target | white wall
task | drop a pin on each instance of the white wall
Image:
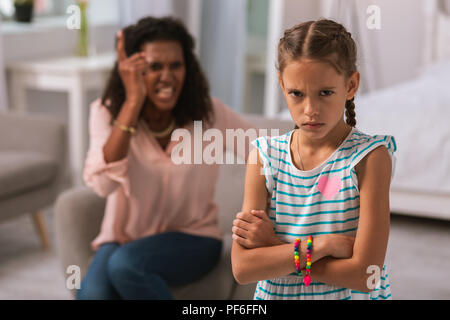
(50, 38)
(223, 49)
(291, 13)
(3, 89)
(300, 11)
(392, 55)
(401, 38)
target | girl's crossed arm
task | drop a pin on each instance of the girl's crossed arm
(276, 260)
(374, 175)
(369, 248)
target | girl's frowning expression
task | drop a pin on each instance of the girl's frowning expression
(316, 95)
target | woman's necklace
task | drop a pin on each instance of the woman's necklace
(163, 133)
(298, 147)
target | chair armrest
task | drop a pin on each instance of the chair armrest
(78, 216)
(38, 133)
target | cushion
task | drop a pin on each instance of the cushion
(230, 185)
(229, 194)
(21, 171)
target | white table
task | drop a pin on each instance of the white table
(74, 75)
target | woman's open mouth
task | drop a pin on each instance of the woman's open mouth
(165, 93)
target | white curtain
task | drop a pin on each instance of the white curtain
(445, 6)
(133, 10)
(352, 14)
(221, 34)
(3, 91)
(188, 11)
(223, 47)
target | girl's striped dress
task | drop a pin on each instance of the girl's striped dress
(324, 200)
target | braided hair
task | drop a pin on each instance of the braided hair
(194, 102)
(350, 112)
(324, 40)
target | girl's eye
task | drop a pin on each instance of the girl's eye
(326, 93)
(295, 93)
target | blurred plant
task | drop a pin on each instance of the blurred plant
(83, 36)
(24, 10)
(23, 2)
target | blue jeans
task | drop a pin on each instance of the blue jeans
(145, 268)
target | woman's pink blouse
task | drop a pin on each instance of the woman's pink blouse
(146, 192)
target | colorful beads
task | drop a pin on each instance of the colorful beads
(307, 279)
(297, 256)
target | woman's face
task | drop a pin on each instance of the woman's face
(316, 93)
(164, 79)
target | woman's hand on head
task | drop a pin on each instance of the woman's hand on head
(132, 71)
(254, 230)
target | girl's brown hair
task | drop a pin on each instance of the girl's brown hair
(324, 40)
(194, 102)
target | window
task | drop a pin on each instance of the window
(42, 8)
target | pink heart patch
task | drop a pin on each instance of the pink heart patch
(329, 187)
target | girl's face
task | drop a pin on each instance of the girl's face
(164, 79)
(316, 95)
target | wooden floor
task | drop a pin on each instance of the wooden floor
(26, 270)
(419, 255)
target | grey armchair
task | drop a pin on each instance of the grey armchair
(79, 212)
(32, 150)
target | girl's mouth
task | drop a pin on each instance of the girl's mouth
(312, 126)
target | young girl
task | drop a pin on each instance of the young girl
(325, 180)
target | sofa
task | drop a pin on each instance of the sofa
(79, 212)
(32, 152)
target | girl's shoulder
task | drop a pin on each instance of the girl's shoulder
(273, 151)
(273, 142)
(360, 143)
(273, 148)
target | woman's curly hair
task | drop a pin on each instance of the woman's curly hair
(324, 40)
(194, 102)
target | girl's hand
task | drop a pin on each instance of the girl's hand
(132, 71)
(254, 230)
(339, 246)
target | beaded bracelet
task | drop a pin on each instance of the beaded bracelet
(307, 279)
(297, 256)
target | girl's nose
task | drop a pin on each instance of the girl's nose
(310, 108)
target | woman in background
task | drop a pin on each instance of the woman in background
(160, 226)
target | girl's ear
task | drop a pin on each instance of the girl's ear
(352, 85)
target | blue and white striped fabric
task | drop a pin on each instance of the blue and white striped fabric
(299, 207)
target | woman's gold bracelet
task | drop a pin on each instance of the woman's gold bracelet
(125, 128)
